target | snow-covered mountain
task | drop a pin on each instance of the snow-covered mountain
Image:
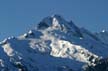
(54, 45)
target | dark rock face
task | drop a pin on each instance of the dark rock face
(101, 65)
(42, 25)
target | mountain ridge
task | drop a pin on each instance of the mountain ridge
(55, 45)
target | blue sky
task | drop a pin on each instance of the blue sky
(18, 16)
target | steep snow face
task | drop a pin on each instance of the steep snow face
(55, 45)
(71, 51)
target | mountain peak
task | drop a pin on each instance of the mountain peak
(52, 21)
(56, 16)
(56, 45)
(59, 23)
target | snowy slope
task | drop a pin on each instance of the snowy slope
(54, 45)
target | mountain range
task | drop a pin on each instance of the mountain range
(55, 45)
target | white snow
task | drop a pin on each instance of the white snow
(8, 50)
(103, 31)
(62, 45)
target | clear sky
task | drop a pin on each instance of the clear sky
(18, 16)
